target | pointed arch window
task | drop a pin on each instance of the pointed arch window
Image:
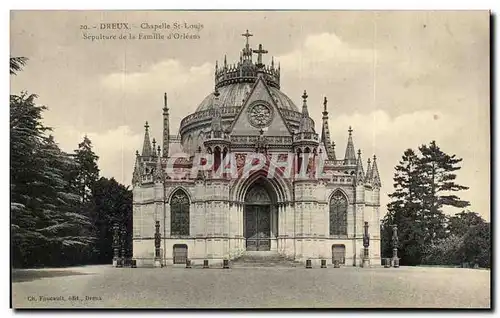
(179, 213)
(338, 214)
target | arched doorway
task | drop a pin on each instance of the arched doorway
(258, 218)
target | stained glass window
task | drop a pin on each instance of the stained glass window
(179, 212)
(338, 214)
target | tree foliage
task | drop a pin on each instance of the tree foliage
(113, 206)
(43, 206)
(16, 64)
(424, 183)
(61, 212)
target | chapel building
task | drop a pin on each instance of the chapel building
(212, 216)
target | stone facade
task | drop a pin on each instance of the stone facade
(210, 216)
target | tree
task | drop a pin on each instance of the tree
(16, 64)
(43, 221)
(87, 173)
(461, 222)
(476, 248)
(113, 205)
(423, 183)
(475, 234)
(437, 173)
(43, 218)
(404, 211)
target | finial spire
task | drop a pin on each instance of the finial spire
(166, 127)
(217, 118)
(154, 147)
(375, 177)
(304, 96)
(325, 134)
(305, 122)
(350, 153)
(146, 147)
(360, 173)
(158, 172)
(369, 172)
(136, 175)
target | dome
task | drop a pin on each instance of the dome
(234, 81)
(233, 95)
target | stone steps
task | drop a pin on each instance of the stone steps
(264, 259)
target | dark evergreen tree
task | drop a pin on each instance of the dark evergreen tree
(43, 221)
(404, 211)
(437, 173)
(113, 205)
(423, 184)
(87, 173)
(83, 179)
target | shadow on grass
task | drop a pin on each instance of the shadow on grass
(31, 275)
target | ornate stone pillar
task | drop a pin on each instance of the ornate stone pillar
(366, 244)
(157, 260)
(123, 246)
(395, 241)
(116, 245)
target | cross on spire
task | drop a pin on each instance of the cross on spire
(247, 51)
(247, 35)
(259, 52)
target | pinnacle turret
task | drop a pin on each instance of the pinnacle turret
(146, 147)
(158, 173)
(216, 115)
(153, 149)
(359, 168)
(368, 174)
(375, 177)
(350, 153)
(166, 127)
(325, 133)
(136, 176)
(305, 121)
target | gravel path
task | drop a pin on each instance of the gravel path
(104, 286)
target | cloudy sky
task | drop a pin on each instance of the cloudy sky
(400, 79)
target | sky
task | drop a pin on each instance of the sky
(400, 79)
